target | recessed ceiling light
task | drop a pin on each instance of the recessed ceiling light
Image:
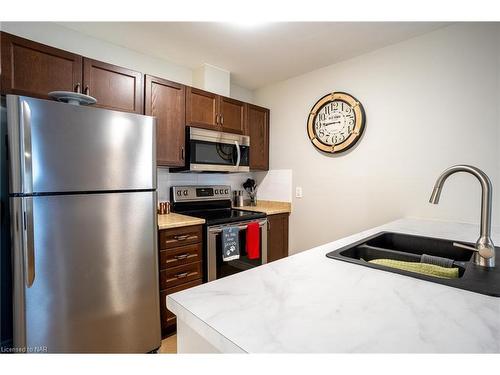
(247, 23)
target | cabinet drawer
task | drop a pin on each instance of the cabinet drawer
(179, 275)
(178, 256)
(167, 316)
(180, 236)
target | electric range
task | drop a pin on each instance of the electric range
(213, 203)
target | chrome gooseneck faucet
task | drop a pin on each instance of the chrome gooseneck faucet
(484, 251)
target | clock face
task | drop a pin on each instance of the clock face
(336, 122)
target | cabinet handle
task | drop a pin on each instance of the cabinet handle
(78, 88)
(181, 238)
(181, 256)
(217, 119)
(222, 119)
(87, 90)
(181, 275)
(182, 153)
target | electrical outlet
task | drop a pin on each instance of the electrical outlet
(298, 192)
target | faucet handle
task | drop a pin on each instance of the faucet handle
(485, 252)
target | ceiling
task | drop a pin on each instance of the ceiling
(259, 54)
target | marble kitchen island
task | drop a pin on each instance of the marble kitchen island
(309, 303)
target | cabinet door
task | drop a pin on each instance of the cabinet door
(114, 87)
(34, 69)
(277, 246)
(232, 114)
(201, 109)
(166, 101)
(257, 127)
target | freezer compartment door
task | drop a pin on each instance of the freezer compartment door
(95, 274)
(58, 147)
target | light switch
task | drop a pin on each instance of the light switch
(298, 192)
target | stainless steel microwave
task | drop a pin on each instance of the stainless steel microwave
(214, 151)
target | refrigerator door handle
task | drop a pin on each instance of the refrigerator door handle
(29, 246)
(26, 147)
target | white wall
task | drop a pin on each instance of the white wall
(431, 102)
(241, 93)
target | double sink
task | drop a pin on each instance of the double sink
(410, 248)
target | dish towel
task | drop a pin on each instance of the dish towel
(230, 243)
(423, 268)
(253, 241)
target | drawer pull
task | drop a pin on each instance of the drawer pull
(182, 275)
(181, 256)
(181, 238)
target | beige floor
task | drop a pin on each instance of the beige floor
(169, 345)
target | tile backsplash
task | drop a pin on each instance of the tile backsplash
(167, 179)
(272, 185)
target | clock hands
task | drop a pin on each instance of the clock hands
(331, 123)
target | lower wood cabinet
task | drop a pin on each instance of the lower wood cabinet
(277, 238)
(174, 276)
(181, 236)
(168, 320)
(180, 266)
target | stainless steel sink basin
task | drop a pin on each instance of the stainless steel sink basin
(397, 246)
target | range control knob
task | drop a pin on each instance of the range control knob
(179, 193)
(216, 191)
(226, 191)
(185, 192)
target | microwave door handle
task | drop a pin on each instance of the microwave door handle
(238, 154)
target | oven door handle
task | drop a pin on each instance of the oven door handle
(238, 154)
(240, 227)
(212, 246)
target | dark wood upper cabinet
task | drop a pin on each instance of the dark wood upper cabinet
(232, 115)
(277, 246)
(257, 127)
(166, 101)
(34, 69)
(211, 111)
(202, 109)
(114, 87)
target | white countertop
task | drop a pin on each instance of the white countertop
(310, 303)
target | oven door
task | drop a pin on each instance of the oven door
(213, 151)
(216, 267)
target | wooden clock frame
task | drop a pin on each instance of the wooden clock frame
(359, 125)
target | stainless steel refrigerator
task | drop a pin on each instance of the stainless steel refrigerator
(83, 224)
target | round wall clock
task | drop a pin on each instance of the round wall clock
(336, 122)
